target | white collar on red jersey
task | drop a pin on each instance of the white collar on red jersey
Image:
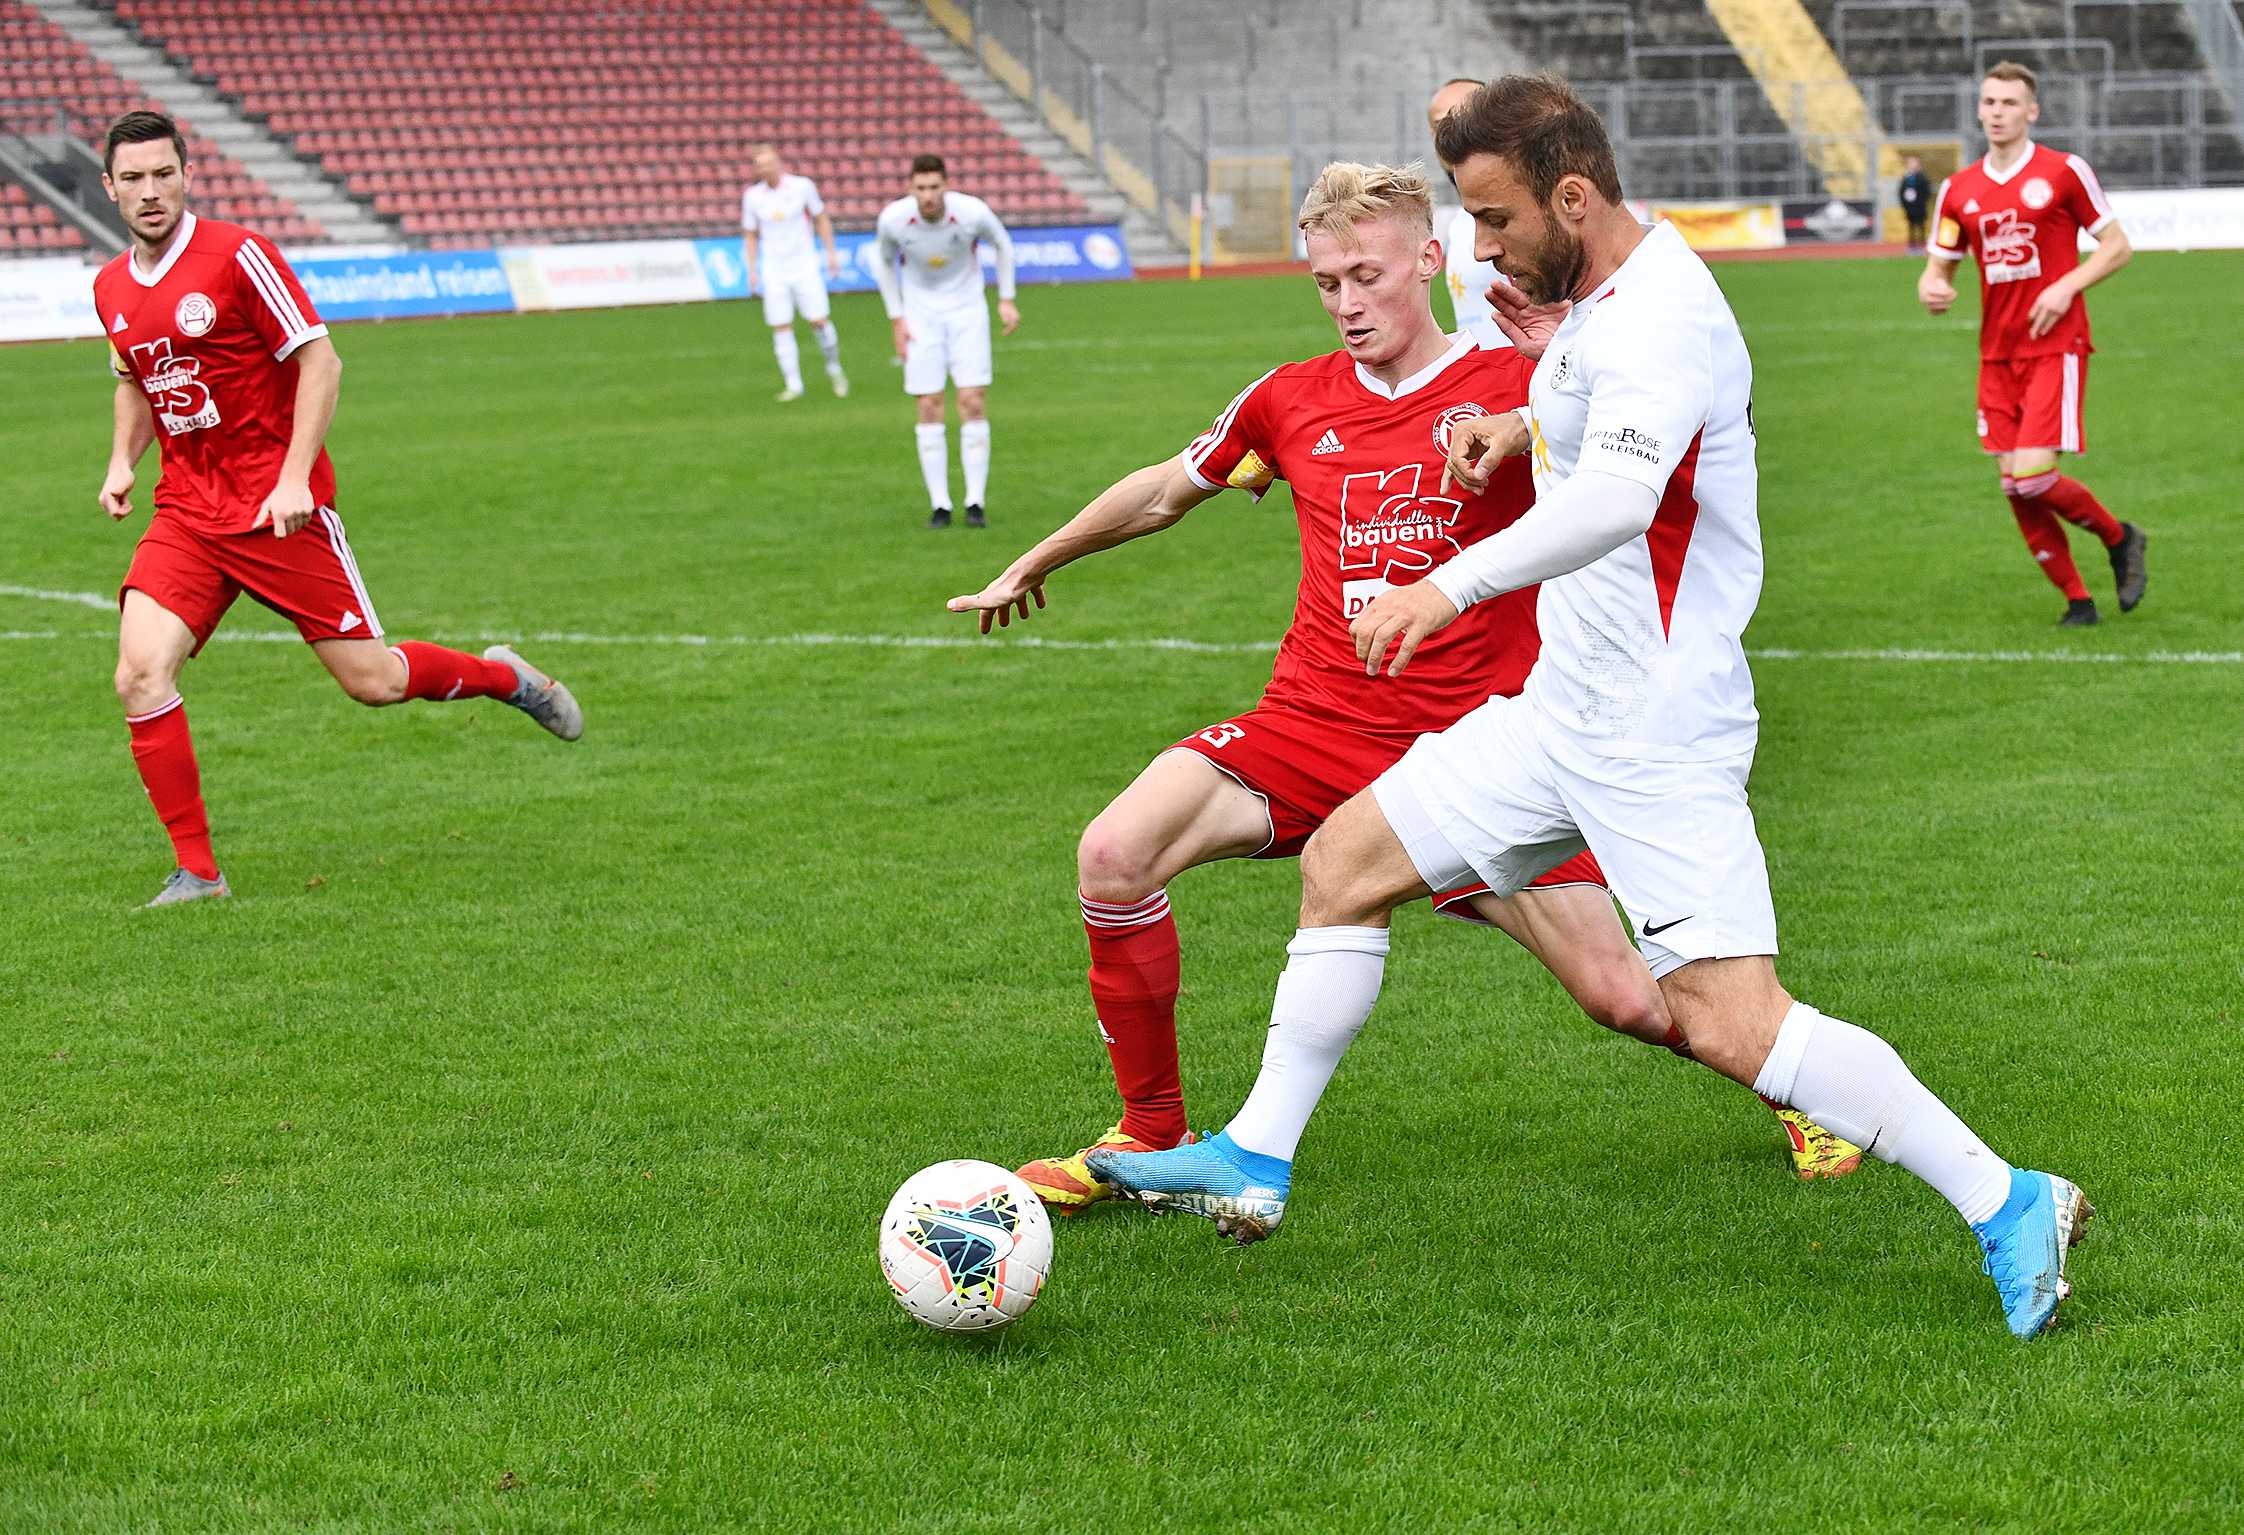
(1459, 346)
(2000, 178)
(179, 243)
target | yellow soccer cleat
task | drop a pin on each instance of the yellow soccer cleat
(1816, 1152)
(1069, 1186)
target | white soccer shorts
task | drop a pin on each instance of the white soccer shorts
(950, 343)
(1489, 798)
(798, 286)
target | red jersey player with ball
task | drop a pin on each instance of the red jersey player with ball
(1362, 436)
(2020, 213)
(219, 352)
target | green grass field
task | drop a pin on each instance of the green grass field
(506, 1155)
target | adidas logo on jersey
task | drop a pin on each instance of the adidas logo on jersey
(117, 325)
(1326, 444)
(350, 621)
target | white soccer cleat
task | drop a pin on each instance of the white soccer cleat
(793, 393)
(181, 885)
(540, 696)
(841, 386)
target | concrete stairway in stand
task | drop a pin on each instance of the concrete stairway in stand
(347, 221)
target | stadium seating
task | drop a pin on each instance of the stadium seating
(49, 82)
(478, 121)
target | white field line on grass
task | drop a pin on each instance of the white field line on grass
(1035, 642)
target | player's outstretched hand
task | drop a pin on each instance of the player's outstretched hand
(1525, 323)
(902, 329)
(1008, 315)
(1401, 616)
(116, 492)
(1477, 446)
(999, 599)
(1935, 292)
(288, 508)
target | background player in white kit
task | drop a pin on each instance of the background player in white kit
(942, 323)
(778, 215)
(1637, 727)
(1465, 276)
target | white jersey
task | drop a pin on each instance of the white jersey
(1468, 282)
(780, 219)
(1649, 379)
(940, 270)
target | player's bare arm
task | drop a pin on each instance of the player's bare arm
(1936, 285)
(135, 430)
(748, 255)
(1008, 315)
(824, 224)
(1477, 446)
(319, 383)
(1153, 498)
(2113, 251)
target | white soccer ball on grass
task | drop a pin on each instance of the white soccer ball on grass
(965, 1246)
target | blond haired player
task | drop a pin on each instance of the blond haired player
(779, 215)
(1358, 434)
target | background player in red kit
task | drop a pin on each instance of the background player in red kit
(220, 353)
(1362, 436)
(2020, 213)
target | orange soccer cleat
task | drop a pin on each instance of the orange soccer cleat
(1068, 1185)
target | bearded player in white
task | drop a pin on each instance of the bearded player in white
(1466, 276)
(1637, 727)
(942, 323)
(778, 214)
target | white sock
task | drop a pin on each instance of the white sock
(790, 357)
(1855, 1085)
(935, 463)
(1323, 999)
(974, 458)
(830, 347)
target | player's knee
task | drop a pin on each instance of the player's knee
(1114, 865)
(138, 683)
(1625, 1000)
(1333, 885)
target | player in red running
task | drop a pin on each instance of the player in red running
(2020, 213)
(1362, 436)
(219, 352)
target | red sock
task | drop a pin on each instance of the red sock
(1674, 1040)
(431, 671)
(165, 756)
(2078, 505)
(1134, 975)
(2045, 535)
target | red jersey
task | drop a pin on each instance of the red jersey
(1365, 463)
(208, 334)
(2023, 227)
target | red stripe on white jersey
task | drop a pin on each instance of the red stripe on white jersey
(1669, 537)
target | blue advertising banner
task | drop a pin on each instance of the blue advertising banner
(405, 286)
(1078, 253)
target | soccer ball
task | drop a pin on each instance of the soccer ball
(965, 1246)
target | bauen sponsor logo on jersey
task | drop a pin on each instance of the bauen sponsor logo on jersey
(196, 314)
(2006, 247)
(1626, 440)
(181, 401)
(1390, 531)
(1449, 419)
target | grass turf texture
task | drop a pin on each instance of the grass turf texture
(507, 1153)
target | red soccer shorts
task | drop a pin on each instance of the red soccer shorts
(2032, 403)
(1304, 769)
(309, 577)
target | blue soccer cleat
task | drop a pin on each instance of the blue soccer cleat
(1243, 1192)
(2026, 1242)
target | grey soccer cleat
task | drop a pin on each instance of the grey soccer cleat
(540, 697)
(186, 886)
(2127, 566)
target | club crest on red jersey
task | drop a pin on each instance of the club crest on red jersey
(1448, 420)
(2036, 193)
(196, 314)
